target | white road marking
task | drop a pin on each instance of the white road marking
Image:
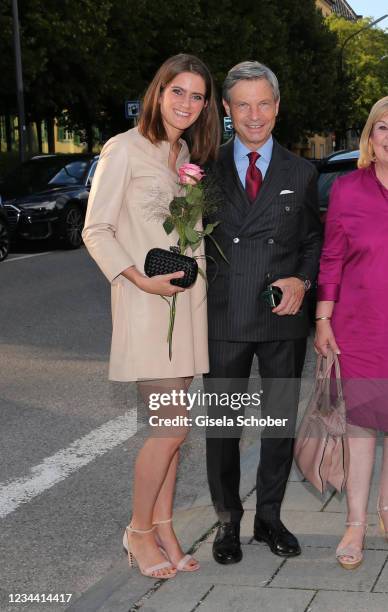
(9, 259)
(65, 462)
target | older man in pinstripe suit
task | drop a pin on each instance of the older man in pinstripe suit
(270, 233)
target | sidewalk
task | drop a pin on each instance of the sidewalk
(313, 582)
(262, 582)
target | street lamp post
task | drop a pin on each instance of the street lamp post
(341, 64)
(19, 81)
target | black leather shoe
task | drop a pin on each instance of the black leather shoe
(281, 541)
(226, 546)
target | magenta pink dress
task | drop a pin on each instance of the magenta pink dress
(354, 273)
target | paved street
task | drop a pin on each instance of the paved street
(68, 439)
(67, 436)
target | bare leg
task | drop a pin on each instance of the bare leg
(156, 463)
(383, 494)
(152, 465)
(164, 503)
(163, 510)
(362, 445)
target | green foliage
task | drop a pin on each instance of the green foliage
(364, 69)
(293, 40)
(168, 225)
(210, 227)
(88, 57)
(191, 235)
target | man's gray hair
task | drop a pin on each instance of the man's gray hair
(249, 71)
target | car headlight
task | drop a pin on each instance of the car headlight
(43, 206)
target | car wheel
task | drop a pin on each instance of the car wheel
(4, 240)
(72, 223)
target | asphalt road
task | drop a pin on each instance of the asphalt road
(68, 437)
(67, 441)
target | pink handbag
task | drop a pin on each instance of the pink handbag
(321, 449)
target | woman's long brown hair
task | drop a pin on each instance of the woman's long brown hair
(203, 137)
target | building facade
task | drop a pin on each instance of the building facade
(339, 7)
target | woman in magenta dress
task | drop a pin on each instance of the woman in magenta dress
(352, 319)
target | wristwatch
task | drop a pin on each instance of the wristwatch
(306, 281)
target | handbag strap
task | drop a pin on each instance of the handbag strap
(324, 369)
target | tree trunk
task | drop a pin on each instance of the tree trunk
(50, 134)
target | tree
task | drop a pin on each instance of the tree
(83, 59)
(292, 38)
(294, 41)
(364, 70)
(64, 53)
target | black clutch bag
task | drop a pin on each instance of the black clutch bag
(160, 261)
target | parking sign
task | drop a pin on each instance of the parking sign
(132, 109)
(228, 125)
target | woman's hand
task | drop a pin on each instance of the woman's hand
(160, 284)
(324, 338)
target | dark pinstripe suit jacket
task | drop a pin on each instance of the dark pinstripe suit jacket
(275, 236)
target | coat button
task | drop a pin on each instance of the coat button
(287, 208)
(270, 241)
(236, 240)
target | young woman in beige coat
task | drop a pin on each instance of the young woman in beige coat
(135, 180)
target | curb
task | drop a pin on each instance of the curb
(121, 589)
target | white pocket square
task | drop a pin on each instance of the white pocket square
(285, 191)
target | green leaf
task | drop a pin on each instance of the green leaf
(210, 227)
(176, 205)
(195, 245)
(168, 225)
(191, 235)
(195, 214)
(195, 196)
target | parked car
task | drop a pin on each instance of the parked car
(329, 169)
(4, 232)
(47, 197)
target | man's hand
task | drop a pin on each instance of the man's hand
(293, 294)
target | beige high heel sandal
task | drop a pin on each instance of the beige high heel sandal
(182, 563)
(351, 551)
(148, 571)
(381, 509)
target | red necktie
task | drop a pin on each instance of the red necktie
(253, 177)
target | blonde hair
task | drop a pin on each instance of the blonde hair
(367, 154)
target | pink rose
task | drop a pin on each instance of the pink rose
(190, 174)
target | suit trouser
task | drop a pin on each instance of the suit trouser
(280, 368)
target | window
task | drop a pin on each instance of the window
(64, 135)
(91, 173)
(326, 180)
(71, 174)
